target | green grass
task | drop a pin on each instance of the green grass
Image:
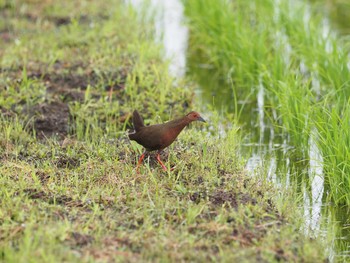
(68, 187)
(250, 49)
(88, 202)
(332, 138)
(289, 50)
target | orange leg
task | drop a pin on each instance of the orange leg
(140, 161)
(110, 93)
(161, 163)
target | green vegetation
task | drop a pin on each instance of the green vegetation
(71, 74)
(333, 140)
(287, 49)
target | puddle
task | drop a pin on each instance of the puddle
(264, 147)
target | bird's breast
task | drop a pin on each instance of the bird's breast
(169, 137)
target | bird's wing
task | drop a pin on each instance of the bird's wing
(137, 121)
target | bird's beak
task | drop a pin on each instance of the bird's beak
(201, 119)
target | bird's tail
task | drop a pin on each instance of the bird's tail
(137, 121)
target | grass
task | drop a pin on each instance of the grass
(89, 203)
(69, 191)
(332, 137)
(301, 65)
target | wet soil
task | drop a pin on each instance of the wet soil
(221, 197)
(67, 201)
(50, 119)
(64, 200)
(111, 247)
(64, 85)
(65, 82)
(76, 239)
(65, 77)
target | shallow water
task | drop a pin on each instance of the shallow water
(264, 147)
(171, 31)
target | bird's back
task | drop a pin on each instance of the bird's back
(150, 137)
(158, 136)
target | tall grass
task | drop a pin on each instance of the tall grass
(333, 139)
(247, 45)
(221, 39)
(288, 48)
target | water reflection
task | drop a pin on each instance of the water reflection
(266, 147)
(315, 173)
(170, 30)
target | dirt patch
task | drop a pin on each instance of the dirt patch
(64, 86)
(6, 36)
(70, 81)
(6, 113)
(280, 255)
(221, 197)
(43, 177)
(63, 20)
(246, 237)
(13, 233)
(196, 197)
(56, 20)
(8, 12)
(213, 248)
(66, 200)
(51, 199)
(67, 162)
(51, 119)
(76, 239)
(112, 248)
(67, 81)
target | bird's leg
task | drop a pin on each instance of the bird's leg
(110, 93)
(160, 161)
(140, 161)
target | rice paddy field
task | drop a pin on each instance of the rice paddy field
(287, 64)
(265, 180)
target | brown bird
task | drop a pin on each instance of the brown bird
(159, 136)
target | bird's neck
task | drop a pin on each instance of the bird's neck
(179, 124)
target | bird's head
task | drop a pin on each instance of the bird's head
(194, 116)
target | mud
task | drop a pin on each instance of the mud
(43, 177)
(65, 200)
(233, 200)
(76, 239)
(70, 85)
(111, 248)
(50, 119)
(6, 113)
(64, 81)
(51, 199)
(34, 16)
(63, 86)
(6, 36)
(67, 162)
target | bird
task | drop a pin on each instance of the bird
(159, 136)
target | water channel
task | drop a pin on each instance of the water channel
(264, 147)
